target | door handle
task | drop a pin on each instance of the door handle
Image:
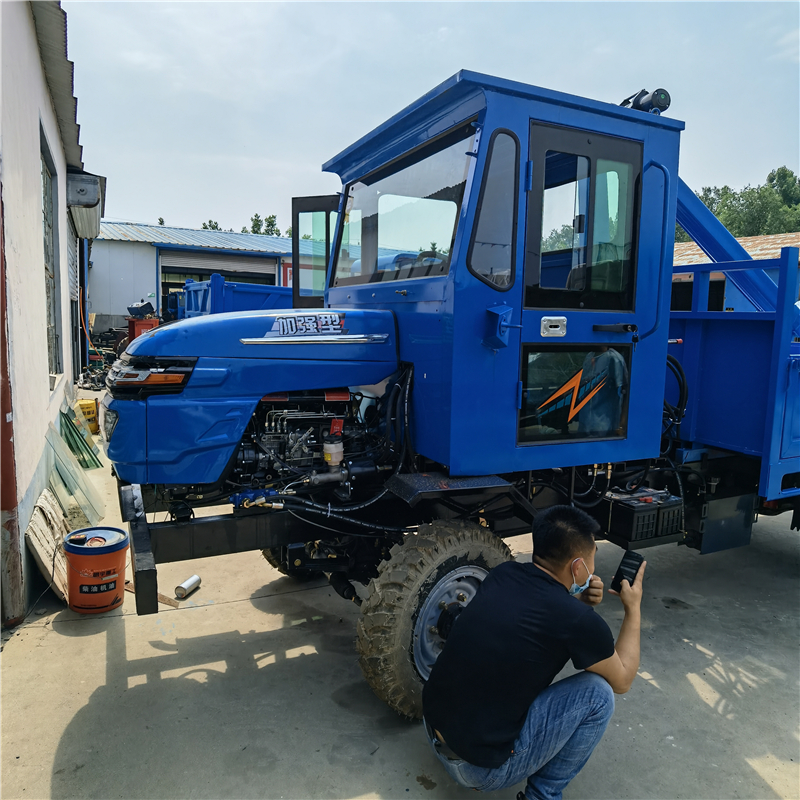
(617, 327)
(666, 220)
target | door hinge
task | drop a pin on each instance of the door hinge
(529, 176)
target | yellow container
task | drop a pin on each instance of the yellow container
(88, 408)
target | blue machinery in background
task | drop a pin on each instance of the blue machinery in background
(216, 296)
(513, 358)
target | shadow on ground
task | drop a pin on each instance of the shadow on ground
(270, 713)
(278, 708)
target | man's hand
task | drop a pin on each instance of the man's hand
(631, 594)
(593, 594)
(620, 669)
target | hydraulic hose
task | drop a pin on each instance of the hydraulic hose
(83, 321)
(314, 508)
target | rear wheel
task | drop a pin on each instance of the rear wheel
(411, 603)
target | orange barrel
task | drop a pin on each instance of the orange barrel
(96, 569)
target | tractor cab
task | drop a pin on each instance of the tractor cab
(522, 239)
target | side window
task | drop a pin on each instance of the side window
(582, 221)
(491, 255)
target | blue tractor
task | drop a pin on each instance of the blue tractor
(489, 335)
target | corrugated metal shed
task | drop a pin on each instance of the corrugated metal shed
(190, 237)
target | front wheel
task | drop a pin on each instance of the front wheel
(399, 636)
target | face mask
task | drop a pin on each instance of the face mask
(575, 589)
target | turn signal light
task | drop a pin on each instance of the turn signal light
(142, 379)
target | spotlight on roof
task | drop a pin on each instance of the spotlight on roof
(656, 102)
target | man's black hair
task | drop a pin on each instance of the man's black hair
(561, 533)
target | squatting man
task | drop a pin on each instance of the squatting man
(492, 713)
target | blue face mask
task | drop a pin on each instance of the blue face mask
(575, 589)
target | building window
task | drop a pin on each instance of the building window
(51, 291)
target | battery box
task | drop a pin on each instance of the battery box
(641, 519)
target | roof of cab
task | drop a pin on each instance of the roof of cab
(459, 88)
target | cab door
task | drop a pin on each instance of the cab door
(580, 316)
(313, 227)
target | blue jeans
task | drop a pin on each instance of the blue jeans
(564, 724)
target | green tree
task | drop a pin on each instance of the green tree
(256, 225)
(559, 239)
(268, 226)
(773, 207)
(786, 184)
(161, 221)
(271, 226)
(288, 233)
(211, 225)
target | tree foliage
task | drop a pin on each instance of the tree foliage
(773, 207)
(559, 239)
(211, 225)
(161, 221)
(266, 226)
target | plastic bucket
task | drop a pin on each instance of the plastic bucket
(96, 569)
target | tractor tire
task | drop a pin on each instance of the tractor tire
(398, 643)
(272, 555)
(123, 343)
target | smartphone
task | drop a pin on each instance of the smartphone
(628, 568)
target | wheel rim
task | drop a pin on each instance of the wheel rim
(428, 645)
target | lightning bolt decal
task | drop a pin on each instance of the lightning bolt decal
(573, 385)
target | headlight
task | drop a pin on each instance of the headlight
(108, 421)
(130, 377)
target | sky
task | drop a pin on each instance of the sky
(219, 110)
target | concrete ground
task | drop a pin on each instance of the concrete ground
(251, 689)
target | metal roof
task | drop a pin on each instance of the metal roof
(50, 21)
(191, 237)
(687, 253)
(457, 88)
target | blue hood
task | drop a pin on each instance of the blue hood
(295, 334)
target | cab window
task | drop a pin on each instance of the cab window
(491, 254)
(582, 222)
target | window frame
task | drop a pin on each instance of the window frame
(49, 196)
(515, 213)
(594, 146)
(408, 159)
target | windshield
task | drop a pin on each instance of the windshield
(400, 222)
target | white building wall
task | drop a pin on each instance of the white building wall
(25, 106)
(121, 273)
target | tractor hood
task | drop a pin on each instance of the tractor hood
(296, 334)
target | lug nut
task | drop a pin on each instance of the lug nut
(442, 605)
(434, 630)
(461, 597)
